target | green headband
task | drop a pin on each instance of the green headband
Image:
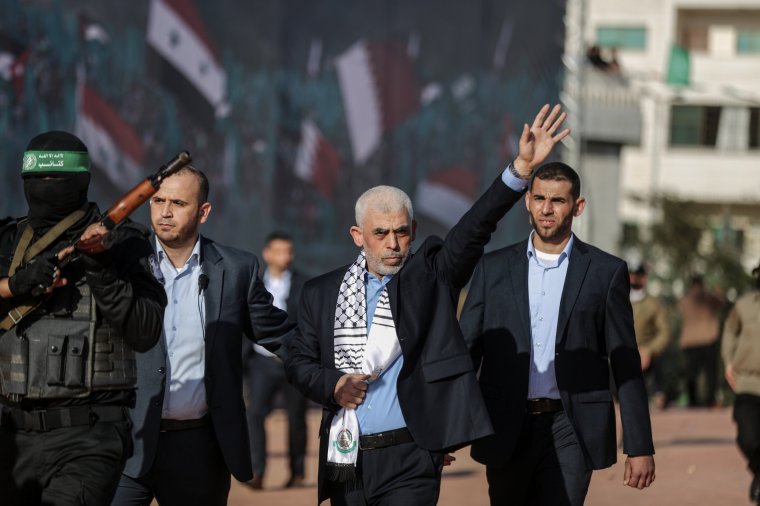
(55, 161)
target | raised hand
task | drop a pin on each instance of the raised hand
(538, 140)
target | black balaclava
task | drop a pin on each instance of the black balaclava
(56, 177)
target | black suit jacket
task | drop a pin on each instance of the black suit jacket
(594, 332)
(237, 304)
(437, 387)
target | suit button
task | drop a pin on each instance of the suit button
(162, 370)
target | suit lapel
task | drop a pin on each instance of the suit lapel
(576, 273)
(212, 296)
(518, 272)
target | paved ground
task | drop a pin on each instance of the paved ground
(697, 464)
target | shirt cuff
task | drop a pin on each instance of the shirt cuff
(517, 184)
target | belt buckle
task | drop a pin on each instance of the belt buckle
(15, 319)
(531, 407)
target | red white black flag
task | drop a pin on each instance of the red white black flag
(317, 161)
(380, 90)
(192, 67)
(114, 146)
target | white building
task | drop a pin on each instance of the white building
(693, 133)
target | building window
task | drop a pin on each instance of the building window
(692, 125)
(623, 38)
(754, 127)
(748, 42)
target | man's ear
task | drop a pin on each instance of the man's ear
(356, 235)
(204, 211)
(580, 205)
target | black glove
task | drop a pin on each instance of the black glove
(37, 274)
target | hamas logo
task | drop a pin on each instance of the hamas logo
(345, 443)
(30, 161)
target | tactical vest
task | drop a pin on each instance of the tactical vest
(65, 349)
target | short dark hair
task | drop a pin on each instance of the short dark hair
(278, 235)
(558, 171)
(202, 181)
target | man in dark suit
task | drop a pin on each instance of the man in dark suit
(379, 347)
(264, 372)
(190, 428)
(544, 320)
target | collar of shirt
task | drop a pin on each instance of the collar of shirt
(531, 251)
(167, 267)
(279, 288)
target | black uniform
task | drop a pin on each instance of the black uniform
(67, 370)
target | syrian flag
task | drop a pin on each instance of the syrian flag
(445, 195)
(185, 58)
(317, 161)
(114, 146)
(380, 90)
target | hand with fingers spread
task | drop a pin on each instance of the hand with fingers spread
(350, 390)
(639, 471)
(538, 140)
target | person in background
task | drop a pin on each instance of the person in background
(264, 372)
(650, 322)
(700, 330)
(741, 359)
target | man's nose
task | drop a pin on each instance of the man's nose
(392, 241)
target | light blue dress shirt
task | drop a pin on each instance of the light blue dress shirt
(380, 410)
(515, 183)
(546, 281)
(184, 318)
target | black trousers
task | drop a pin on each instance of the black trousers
(547, 467)
(747, 417)
(700, 359)
(67, 466)
(266, 377)
(189, 469)
(400, 475)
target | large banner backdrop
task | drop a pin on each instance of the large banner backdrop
(292, 107)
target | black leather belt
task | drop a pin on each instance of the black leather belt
(543, 405)
(44, 420)
(168, 425)
(385, 439)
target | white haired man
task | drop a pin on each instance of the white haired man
(380, 349)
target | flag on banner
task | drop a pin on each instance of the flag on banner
(445, 195)
(189, 62)
(317, 161)
(380, 90)
(13, 58)
(114, 146)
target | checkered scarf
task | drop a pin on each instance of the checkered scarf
(357, 352)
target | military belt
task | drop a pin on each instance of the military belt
(44, 420)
